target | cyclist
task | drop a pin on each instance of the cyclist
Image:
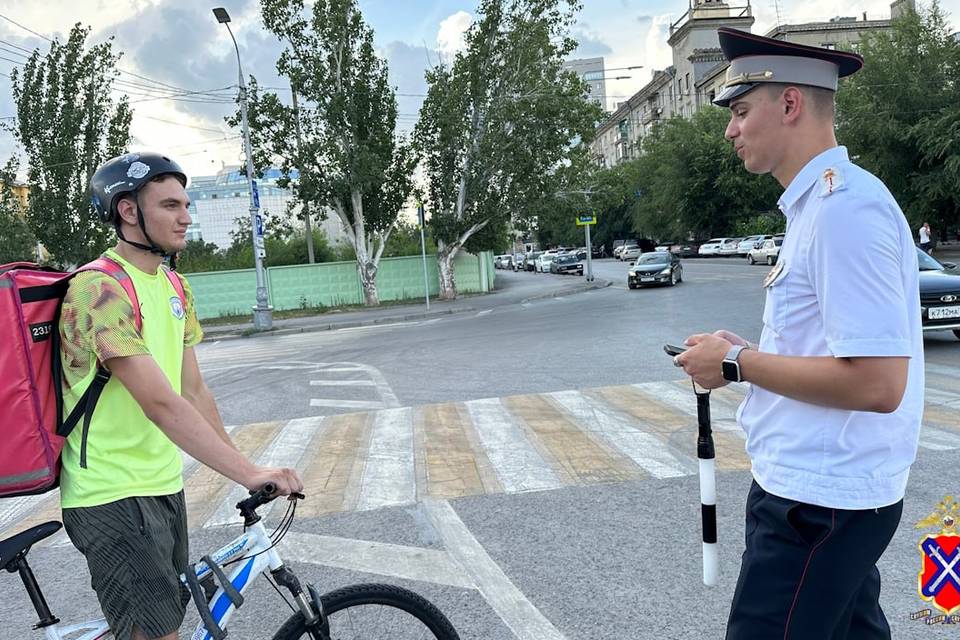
(121, 485)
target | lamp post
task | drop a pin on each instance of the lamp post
(262, 312)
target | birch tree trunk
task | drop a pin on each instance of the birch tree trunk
(445, 256)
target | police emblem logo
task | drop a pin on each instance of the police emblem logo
(938, 581)
(830, 181)
(772, 276)
(176, 306)
(137, 170)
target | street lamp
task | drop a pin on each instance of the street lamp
(262, 312)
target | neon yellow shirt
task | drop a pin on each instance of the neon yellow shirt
(127, 454)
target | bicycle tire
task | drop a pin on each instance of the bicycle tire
(360, 595)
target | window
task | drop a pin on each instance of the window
(213, 196)
(688, 82)
(593, 75)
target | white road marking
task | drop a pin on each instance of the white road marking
(342, 383)
(484, 312)
(286, 450)
(526, 304)
(649, 452)
(339, 369)
(524, 620)
(388, 477)
(361, 405)
(723, 414)
(376, 558)
(518, 465)
(944, 398)
(938, 439)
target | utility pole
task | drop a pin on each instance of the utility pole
(262, 312)
(306, 205)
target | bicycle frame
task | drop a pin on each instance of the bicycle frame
(253, 545)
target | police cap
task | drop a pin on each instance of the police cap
(755, 60)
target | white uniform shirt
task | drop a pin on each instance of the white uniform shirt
(848, 286)
(924, 235)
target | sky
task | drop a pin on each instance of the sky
(179, 43)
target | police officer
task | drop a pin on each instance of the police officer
(832, 416)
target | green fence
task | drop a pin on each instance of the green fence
(331, 284)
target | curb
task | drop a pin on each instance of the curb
(596, 284)
(332, 326)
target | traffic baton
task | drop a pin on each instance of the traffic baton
(706, 455)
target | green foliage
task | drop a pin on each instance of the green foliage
(348, 155)
(405, 241)
(282, 250)
(67, 124)
(498, 121)
(900, 115)
(760, 225)
(17, 241)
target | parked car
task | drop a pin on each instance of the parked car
(711, 247)
(542, 263)
(939, 294)
(768, 251)
(517, 262)
(530, 261)
(631, 252)
(729, 247)
(498, 261)
(567, 263)
(750, 242)
(658, 267)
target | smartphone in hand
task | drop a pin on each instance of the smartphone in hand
(674, 350)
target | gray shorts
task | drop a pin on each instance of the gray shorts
(136, 549)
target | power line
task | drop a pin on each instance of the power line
(39, 35)
(182, 124)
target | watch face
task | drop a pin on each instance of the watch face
(731, 371)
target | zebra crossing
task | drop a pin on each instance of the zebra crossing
(539, 442)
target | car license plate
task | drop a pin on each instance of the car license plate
(940, 313)
(647, 279)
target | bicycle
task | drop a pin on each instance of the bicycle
(399, 613)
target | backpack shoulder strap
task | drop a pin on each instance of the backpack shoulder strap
(177, 284)
(113, 269)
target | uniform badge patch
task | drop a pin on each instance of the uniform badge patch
(830, 181)
(176, 306)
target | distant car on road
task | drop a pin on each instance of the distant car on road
(750, 242)
(631, 252)
(542, 263)
(711, 247)
(504, 261)
(768, 251)
(567, 263)
(729, 247)
(517, 262)
(657, 267)
(530, 261)
(939, 294)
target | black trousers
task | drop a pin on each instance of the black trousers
(810, 572)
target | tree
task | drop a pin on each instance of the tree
(900, 115)
(350, 159)
(17, 242)
(689, 179)
(68, 124)
(498, 122)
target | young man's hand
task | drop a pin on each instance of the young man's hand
(287, 480)
(702, 361)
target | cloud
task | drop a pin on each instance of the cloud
(589, 45)
(407, 64)
(450, 37)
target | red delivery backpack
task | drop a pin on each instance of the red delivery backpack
(32, 427)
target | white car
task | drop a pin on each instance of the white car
(502, 262)
(750, 242)
(711, 247)
(729, 247)
(621, 251)
(542, 263)
(632, 252)
(768, 251)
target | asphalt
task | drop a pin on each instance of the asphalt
(507, 292)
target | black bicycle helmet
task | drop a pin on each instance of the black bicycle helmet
(125, 175)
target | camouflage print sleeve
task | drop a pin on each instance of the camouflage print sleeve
(97, 316)
(192, 332)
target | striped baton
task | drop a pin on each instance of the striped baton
(708, 487)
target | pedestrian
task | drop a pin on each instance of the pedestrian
(924, 233)
(121, 487)
(832, 413)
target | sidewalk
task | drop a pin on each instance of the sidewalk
(512, 288)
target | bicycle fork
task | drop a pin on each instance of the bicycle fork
(313, 614)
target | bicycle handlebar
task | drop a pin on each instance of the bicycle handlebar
(265, 494)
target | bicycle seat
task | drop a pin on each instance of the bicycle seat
(11, 548)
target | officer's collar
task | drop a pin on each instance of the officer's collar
(809, 175)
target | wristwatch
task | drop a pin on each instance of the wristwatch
(731, 364)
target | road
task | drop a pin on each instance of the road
(528, 466)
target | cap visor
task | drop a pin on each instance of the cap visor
(728, 94)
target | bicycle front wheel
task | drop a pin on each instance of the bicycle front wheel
(372, 612)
